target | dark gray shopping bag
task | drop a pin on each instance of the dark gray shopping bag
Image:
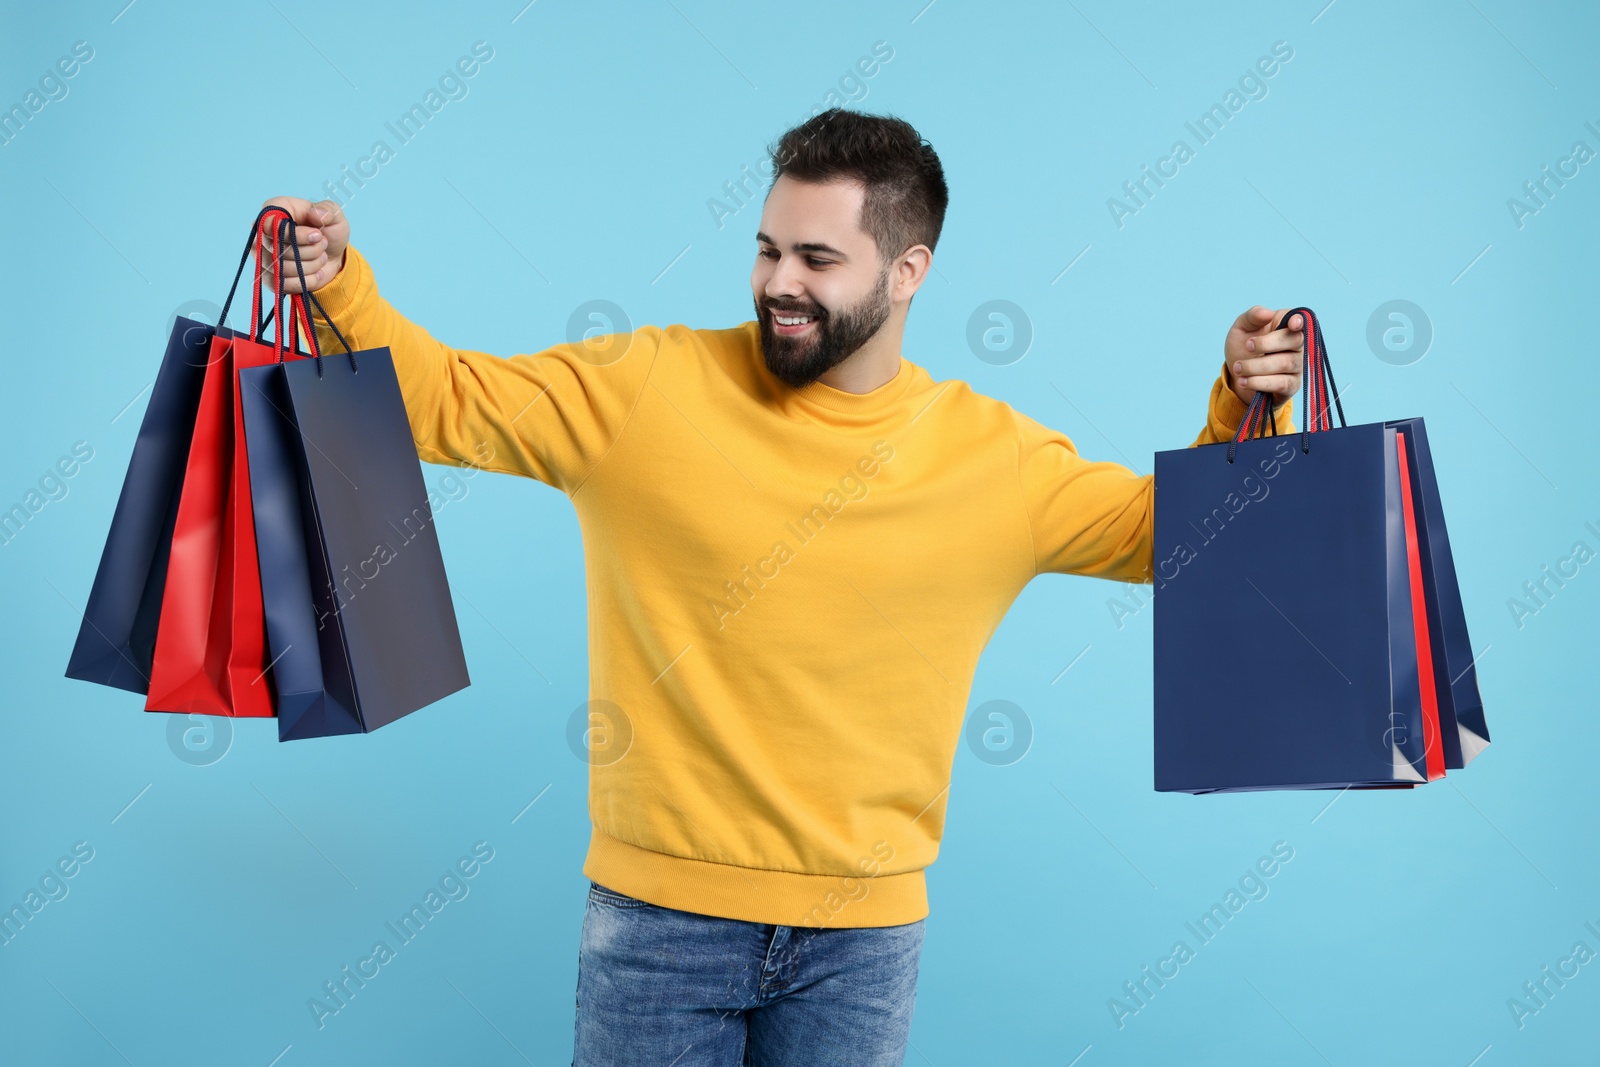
(360, 621)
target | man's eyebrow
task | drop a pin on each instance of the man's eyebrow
(804, 246)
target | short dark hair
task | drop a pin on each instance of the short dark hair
(905, 190)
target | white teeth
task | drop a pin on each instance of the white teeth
(792, 321)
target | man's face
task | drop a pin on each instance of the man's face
(814, 262)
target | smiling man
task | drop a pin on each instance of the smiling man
(797, 544)
(801, 338)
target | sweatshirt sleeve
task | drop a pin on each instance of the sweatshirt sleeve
(550, 415)
(1097, 518)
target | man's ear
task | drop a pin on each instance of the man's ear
(909, 272)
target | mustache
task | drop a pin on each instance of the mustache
(813, 312)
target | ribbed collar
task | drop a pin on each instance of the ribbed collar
(825, 404)
(827, 396)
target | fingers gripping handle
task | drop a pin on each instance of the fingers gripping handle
(1318, 386)
(306, 295)
(282, 231)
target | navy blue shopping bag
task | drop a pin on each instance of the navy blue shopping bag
(360, 621)
(117, 635)
(1290, 649)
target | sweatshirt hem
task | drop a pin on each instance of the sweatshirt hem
(752, 894)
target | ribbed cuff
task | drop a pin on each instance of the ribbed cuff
(1227, 410)
(340, 297)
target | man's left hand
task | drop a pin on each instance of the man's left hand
(1260, 358)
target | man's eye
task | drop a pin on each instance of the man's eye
(811, 261)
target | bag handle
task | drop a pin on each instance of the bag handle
(1318, 385)
(260, 335)
(1321, 378)
(298, 301)
(305, 296)
(284, 331)
(256, 242)
(295, 314)
(244, 257)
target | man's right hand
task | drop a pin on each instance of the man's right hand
(322, 232)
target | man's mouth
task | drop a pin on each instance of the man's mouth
(788, 325)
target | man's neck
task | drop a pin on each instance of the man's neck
(872, 365)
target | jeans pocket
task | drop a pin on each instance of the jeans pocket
(602, 895)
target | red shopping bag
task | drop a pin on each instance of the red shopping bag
(210, 651)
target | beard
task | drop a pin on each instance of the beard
(834, 336)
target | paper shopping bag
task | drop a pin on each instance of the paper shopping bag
(351, 564)
(210, 652)
(1465, 733)
(1293, 648)
(117, 635)
(311, 701)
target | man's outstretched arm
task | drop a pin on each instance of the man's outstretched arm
(1097, 518)
(550, 415)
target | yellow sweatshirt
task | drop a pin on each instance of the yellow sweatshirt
(788, 589)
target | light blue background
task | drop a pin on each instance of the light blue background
(579, 166)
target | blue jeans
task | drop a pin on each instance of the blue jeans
(659, 987)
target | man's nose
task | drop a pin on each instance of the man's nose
(784, 282)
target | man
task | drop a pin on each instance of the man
(797, 543)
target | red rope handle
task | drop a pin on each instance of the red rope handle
(262, 232)
(284, 341)
(1316, 386)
